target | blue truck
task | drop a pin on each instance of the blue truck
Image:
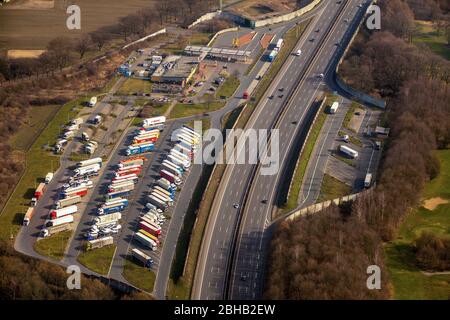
(117, 194)
(111, 209)
(140, 149)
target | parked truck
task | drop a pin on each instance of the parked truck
(49, 231)
(59, 221)
(62, 203)
(179, 161)
(58, 213)
(115, 201)
(170, 177)
(368, 180)
(142, 258)
(158, 203)
(38, 193)
(92, 101)
(171, 194)
(98, 161)
(114, 208)
(334, 107)
(165, 184)
(113, 217)
(171, 168)
(150, 228)
(145, 241)
(48, 177)
(139, 162)
(133, 177)
(78, 192)
(83, 170)
(118, 194)
(28, 215)
(140, 149)
(76, 122)
(348, 152)
(99, 243)
(153, 122)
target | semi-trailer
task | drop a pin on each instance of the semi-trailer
(150, 228)
(151, 236)
(165, 184)
(192, 140)
(164, 191)
(87, 169)
(49, 231)
(130, 163)
(48, 177)
(146, 241)
(115, 201)
(99, 243)
(141, 149)
(132, 159)
(190, 135)
(108, 210)
(178, 161)
(126, 172)
(148, 220)
(161, 205)
(155, 121)
(129, 185)
(117, 194)
(129, 177)
(73, 187)
(62, 203)
(142, 257)
(179, 147)
(28, 215)
(108, 218)
(180, 154)
(348, 151)
(58, 213)
(40, 190)
(58, 221)
(144, 140)
(170, 177)
(78, 192)
(89, 162)
(172, 169)
(162, 197)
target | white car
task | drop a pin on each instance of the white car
(298, 53)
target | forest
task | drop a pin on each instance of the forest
(305, 254)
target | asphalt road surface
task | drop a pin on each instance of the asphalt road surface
(247, 271)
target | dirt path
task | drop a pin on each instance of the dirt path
(433, 203)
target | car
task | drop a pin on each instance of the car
(281, 96)
(321, 75)
(377, 145)
(346, 138)
(225, 66)
(312, 40)
(271, 96)
(243, 277)
(294, 122)
(298, 53)
(258, 77)
(264, 201)
(317, 30)
(346, 20)
(357, 113)
(281, 89)
(236, 205)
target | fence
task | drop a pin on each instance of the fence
(320, 206)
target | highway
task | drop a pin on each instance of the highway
(217, 254)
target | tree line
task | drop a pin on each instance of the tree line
(304, 254)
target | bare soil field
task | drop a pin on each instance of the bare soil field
(30, 29)
(31, 4)
(15, 54)
(257, 9)
(432, 203)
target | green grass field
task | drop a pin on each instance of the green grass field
(53, 246)
(427, 34)
(228, 87)
(39, 161)
(332, 188)
(182, 110)
(131, 86)
(139, 276)
(98, 260)
(36, 120)
(407, 279)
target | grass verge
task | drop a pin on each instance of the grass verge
(427, 33)
(98, 260)
(138, 276)
(332, 188)
(39, 161)
(302, 163)
(228, 88)
(407, 279)
(181, 110)
(53, 246)
(131, 86)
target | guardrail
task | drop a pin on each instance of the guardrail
(154, 34)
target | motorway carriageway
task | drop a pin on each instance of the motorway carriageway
(212, 272)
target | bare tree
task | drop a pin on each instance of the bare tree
(100, 39)
(83, 44)
(60, 49)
